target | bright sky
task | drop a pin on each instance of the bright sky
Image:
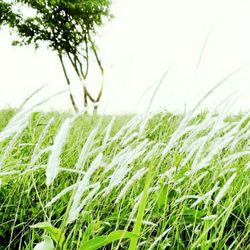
(145, 38)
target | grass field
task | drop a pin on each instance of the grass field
(127, 182)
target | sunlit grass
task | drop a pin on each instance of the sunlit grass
(181, 183)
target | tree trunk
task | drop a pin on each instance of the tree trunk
(68, 82)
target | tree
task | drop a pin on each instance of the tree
(68, 28)
(6, 14)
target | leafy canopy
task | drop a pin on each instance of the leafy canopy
(64, 24)
(67, 27)
(6, 14)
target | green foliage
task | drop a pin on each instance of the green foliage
(5, 116)
(56, 234)
(176, 207)
(102, 241)
(141, 210)
(6, 14)
(66, 27)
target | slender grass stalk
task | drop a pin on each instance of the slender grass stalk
(141, 210)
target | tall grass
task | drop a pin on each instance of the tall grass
(162, 181)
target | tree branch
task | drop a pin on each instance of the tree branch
(68, 82)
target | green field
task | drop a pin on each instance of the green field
(160, 181)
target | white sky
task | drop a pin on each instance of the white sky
(145, 38)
